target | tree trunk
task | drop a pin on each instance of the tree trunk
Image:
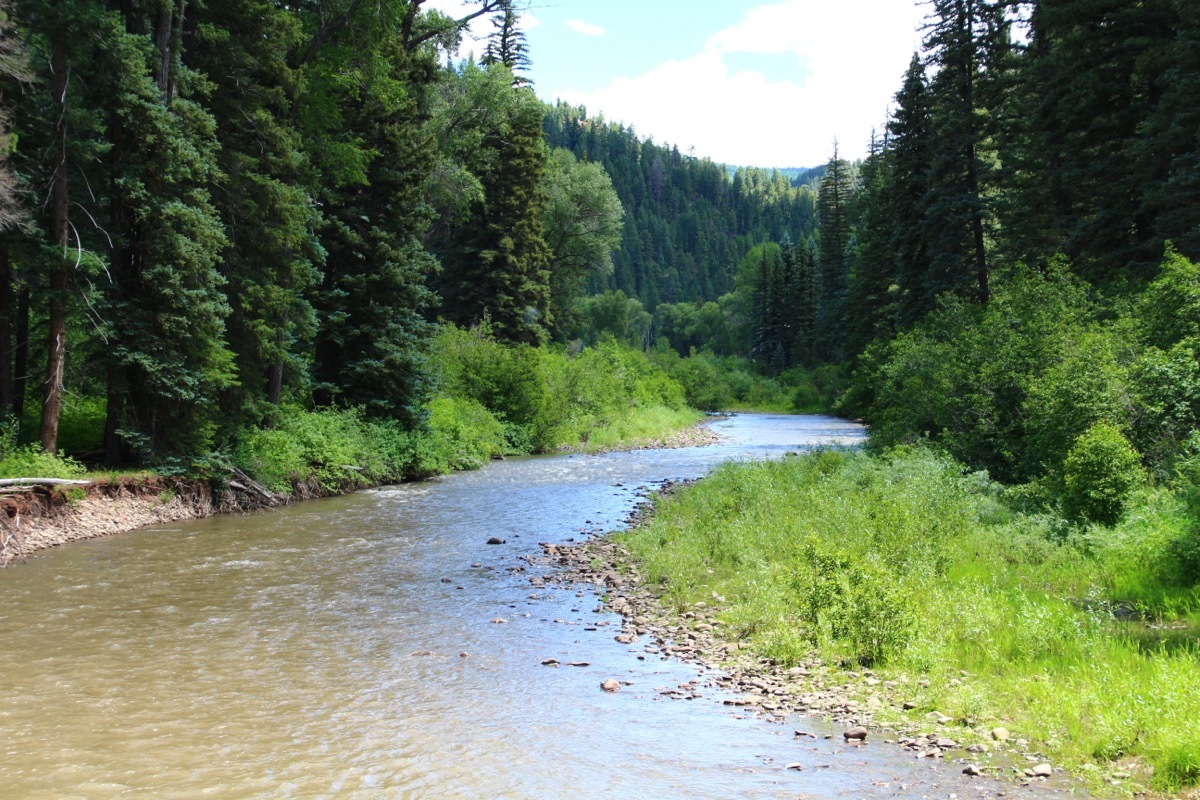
(21, 354)
(114, 450)
(56, 344)
(7, 309)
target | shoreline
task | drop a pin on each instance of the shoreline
(853, 699)
(41, 518)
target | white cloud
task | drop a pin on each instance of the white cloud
(586, 28)
(855, 53)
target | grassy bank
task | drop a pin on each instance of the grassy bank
(490, 400)
(1080, 640)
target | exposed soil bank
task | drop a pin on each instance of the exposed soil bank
(42, 517)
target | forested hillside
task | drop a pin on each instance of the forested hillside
(689, 221)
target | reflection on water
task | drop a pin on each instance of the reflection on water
(346, 648)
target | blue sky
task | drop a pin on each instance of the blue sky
(768, 84)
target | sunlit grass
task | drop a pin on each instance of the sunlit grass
(909, 565)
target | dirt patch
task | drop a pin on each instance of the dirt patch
(42, 517)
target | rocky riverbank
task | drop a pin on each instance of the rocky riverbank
(863, 704)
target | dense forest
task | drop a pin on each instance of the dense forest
(216, 210)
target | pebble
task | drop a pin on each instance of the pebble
(796, 765)
(610, 685)
(972, 770)
(1042, 771)
(550, 662)
(856, 734)
(499, 621)
(495, 540)
(1000, 734)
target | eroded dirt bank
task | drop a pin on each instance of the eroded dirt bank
(43, 517)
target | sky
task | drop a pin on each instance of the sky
(743, 82)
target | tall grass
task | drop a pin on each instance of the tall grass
(909, 564)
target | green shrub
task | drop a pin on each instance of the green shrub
(1100, 472)
(465, 433)
(30, 461)
(853, 604)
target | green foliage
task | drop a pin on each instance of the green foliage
(335, 450)
(854, 604)
(466, 433)
(545, 398)
(688, 219)
(583, 222)
(1100, 472)
(910, 563)
(30, 461)
(613, 314)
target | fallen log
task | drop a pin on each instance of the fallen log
(41, 482)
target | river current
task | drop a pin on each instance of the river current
(353, 648)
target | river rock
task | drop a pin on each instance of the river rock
(495, 540)
(977, 748)
(1042, 771)
(972, 770)
(610, 686)
(856, 734)
(550, 662)
(499, 621)
(1000, 734)
(796, 765)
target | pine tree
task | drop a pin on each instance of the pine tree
(264, 196)
(507, 45)
(497, 263)
(802, 304)
(164, 310)
(909, 148)
(871, 301)
(959, 40)
(833, 204)
(14, 213)
(365, 108)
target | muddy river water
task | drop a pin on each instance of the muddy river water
(349, 648)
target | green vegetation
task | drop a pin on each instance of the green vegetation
(912, 565)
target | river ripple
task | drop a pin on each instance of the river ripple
(317, 651)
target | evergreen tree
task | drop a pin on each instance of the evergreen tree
(506, 43)
(14, 213)
(164, 309)
(365, 106)
(264, 196)
(802, 304)
(497, 264)
(960, 39)
(907, 195)
(871, 303)
(834, 207)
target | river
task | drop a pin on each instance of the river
(351, 648)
